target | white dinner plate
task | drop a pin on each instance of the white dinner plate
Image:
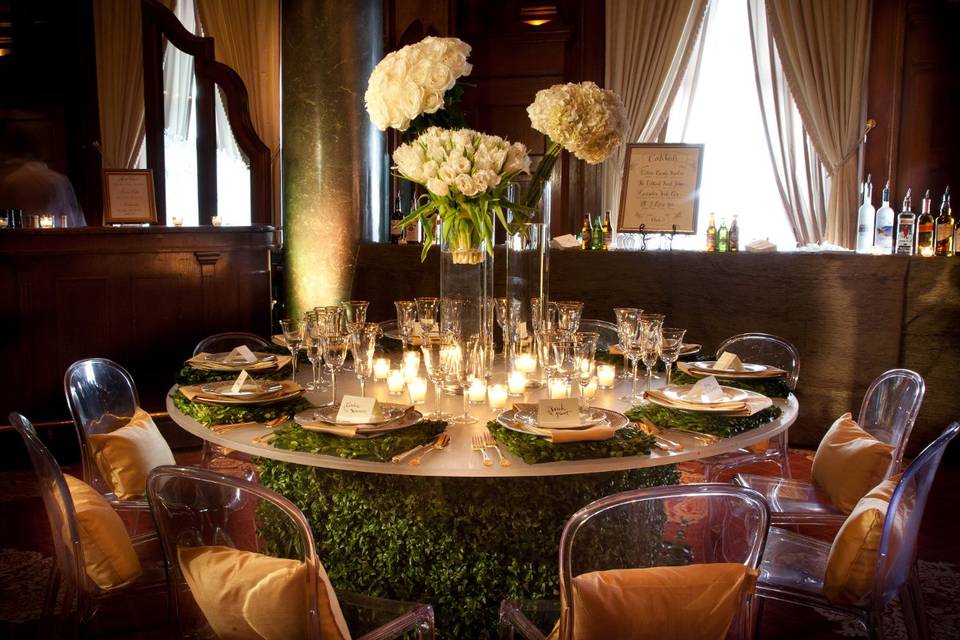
(329, 414)
(710, 367)
(224, 358)
(309, 420)
(510, 420)
(676, 392)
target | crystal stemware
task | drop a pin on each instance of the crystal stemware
(651, 327)
(427, 310)
(584, 354)
(293, 336)
(628, 322)
(406, 320)
(313, 343)
(334, 353)
(355, 313)
(435, 360)
(451, 315)
(464, 362)
(543, 319)
(363, 345)
(670, 345)
(568, 315)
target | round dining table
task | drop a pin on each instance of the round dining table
(451, 531)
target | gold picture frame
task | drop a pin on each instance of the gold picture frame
(128, 197)
(660, 192)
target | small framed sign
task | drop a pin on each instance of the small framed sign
(128, 196)
(661, 188)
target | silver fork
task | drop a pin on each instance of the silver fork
(440, 442)
(477, 445)
(490, 443)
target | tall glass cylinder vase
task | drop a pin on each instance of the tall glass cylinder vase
(466, 280)
(528, 280)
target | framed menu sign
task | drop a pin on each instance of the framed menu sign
(661, 188)
(128, 196)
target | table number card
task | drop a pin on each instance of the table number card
(563, 412)
(240, 381)
(357, 410)
(242, 354)
(705, 390)
(729, 362)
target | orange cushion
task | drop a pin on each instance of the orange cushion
(849, 462)
(127, 455)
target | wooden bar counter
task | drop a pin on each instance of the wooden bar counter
(851, 316)
(141, 296)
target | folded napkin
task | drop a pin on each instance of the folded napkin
(761, 246)
(200, 361)
(359, 430)
(693, 370)
(195, 391)
(567, 241)
(600, 432)
(742, 408)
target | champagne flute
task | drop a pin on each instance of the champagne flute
(628, 319)
(406, 317)
(585, 353)
(650, 336)
(671, 343)
(313, 343)
(334, 353)
(435, 360)
(464, 362)
(363, 344)
(355, 313)
(293, 336)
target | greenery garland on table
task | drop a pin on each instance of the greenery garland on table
(380, 449)
(211, 414)
(190, 376)
(721, 426)
(535, 449)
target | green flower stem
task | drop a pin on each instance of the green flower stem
(534, 192)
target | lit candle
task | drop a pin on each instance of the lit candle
(558, 388)
(215, 220)
(477, 392)
(418, 390)
(525, 362)
(606, 376)
(411, 359)
(381, 369)
(517, 383)
(46, 222)
(395, 382)
(590, 390)
(410, 372)
(497, 395)
(177, 221)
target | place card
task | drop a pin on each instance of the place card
(705, 390)
(563, 412)
(241, 354)
(728, 361)
(240, 381)
(357, 410)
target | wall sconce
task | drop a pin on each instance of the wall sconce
(537, 15)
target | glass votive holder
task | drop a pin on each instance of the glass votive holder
(46, 222)
(590, 390)
(177, 221)
(497, 396)
(517, 383)
(417, 388)
(395, 382)
(411, 359)
(381, 368)
(410, 372)
(216, 221)
(477, 392)
(525, 362)
(606, 376)
(558, 388)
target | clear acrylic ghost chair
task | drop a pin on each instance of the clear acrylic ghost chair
(888, 412)
(759, 348)
(794, 565)
(659, 526)
(606, 330)
(72, 599)
(220, 342)
(187, 504)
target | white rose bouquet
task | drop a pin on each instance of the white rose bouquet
(416, 80)
(466, 174)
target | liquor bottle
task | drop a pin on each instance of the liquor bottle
(865, 218)
(596, 239)
(945, 227)
(607, 231)
(396, 216)
(906, 227)
(734, 236)
(413, 233)
(925, 224)
(712, 234)
(883, 237)
(585, 233)
(723, 237)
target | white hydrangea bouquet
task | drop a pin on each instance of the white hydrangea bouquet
(466, 174)
(418, 79)
(584, 119)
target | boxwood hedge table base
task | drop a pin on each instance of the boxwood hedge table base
(460, 544)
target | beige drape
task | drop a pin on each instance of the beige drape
(800, 175)
(824, 45)
(649, 43)
(247, 39)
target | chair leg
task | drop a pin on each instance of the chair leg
(914, 615)
(873, 622)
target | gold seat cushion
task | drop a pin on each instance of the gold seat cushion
(849, 462)
(127, 455)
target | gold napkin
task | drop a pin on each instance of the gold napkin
(600, 432)
(742, 408)
(200, 361)
(770, 372)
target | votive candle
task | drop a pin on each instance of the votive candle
(395, 382)
(46, 222)
(177, 221)
(417, 388)
(590, 390)
(497, 396)
(477, 391)
(517, 383)
(381, 369)
(558, 388)
(606, 376)
(215, 220)
(410, 372)
(411, 359)
(525, 362)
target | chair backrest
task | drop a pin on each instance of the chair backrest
(69, 592)
(890, 408)
(661, 526)
(102, 398)
(227, 341)
(606, 330)
(763, 348)
(189, 506)
(898, 542)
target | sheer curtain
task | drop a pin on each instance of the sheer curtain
(800, 175)
(649, 43)
(179, 117)
(824, 45)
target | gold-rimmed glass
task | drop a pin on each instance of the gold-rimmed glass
(628, 324)
(651, 339)
(334, 353)
(671, 342)
(363, 345)
(355, 313)
(585, 353)
(406, 320)
(436, 360)
(313, 344)
(568, 315)
(293, 336)
(464, 362)
(428, 309)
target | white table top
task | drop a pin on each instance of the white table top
(458, 460)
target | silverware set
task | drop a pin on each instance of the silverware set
(484, 441)
(418, 452)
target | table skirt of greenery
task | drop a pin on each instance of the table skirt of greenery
(459, 544)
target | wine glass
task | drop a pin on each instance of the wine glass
(451, 315)
(313, 343)
(406, 317)
(628, 319)
(363, 344)
(355, 313)
(434, 358)
(568, 316)
(564, 361)
(584, 354)
(330, 318)
(671, 343)
(334, 353)
(464, 362)
(293, 336)
(427, 310)
(544, 340)
(650, 336)
(543, 318)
